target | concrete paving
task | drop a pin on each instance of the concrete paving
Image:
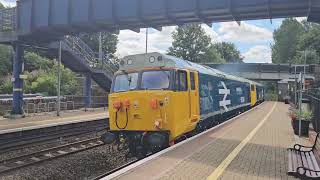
(252, 146)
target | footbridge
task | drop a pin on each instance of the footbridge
(41, 22)
(268, 72)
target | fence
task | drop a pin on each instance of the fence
(314, 97)
(49, 104)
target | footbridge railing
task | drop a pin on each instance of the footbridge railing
(78, 46)
(8, 19)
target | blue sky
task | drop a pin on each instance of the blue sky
(252, 38)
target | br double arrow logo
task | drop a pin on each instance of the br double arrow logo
(225, 91)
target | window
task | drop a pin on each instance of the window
(252, 88)
(181, 81)
(125, 82)
(192, 81)
(155, 80)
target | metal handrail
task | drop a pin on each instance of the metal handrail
(78, 46)
(8, 19)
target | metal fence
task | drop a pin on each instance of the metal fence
(313, 95)
(68, 103)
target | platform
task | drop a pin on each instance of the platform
(250, 146)
(51, 119)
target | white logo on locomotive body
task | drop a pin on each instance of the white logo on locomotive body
(225, 91)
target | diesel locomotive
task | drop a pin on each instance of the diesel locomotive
(156, 100)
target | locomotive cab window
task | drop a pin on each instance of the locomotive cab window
(125, 82)
(155, 80)
(181, 81)
(192, 81)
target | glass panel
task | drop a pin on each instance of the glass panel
(125, 82)
(155, 80)
(183, 86)
(192, 81)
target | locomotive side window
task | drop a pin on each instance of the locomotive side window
(181, 81)
(192, 81)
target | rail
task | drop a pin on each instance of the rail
(48, 154)
(8, 19)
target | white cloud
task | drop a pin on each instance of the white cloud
(158, 41)
(133, 43)
(245, 33)
(258, 54)
(8, 3)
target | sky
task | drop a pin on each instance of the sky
(252, 38)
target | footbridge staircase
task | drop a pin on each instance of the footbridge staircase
(76, 54)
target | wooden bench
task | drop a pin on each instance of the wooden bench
(303, 161)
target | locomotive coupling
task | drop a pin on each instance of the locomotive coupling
(108, 138)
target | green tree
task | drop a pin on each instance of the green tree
(190, 42)
(309, 41)
(212, 55)
(34, 62)
(5, 61)
(6, 85)
(228, 52)
(286, 40)
(109, 43)
(1, 6)
(46, 82)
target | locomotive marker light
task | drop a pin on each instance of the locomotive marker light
(152, 59)
(225, 91)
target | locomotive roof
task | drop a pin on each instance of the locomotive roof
(152, 60)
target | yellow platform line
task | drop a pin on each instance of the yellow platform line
(221, 168)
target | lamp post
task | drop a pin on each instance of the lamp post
(59, 81)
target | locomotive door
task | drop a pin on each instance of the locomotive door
(182, 101)
(194, 98)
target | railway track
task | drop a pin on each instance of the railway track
(48, 154)
(16, 140)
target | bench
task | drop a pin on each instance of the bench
(303, 161)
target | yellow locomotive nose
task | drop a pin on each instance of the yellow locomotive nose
(139, 111)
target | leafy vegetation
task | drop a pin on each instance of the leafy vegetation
(191, 42)
(294, 37)
(109, 43)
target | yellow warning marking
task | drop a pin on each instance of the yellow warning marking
(220, 169)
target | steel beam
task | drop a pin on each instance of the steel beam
(18, 68)
(87, 90)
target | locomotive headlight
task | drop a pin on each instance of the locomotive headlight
(129, 62)
(152, 59)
